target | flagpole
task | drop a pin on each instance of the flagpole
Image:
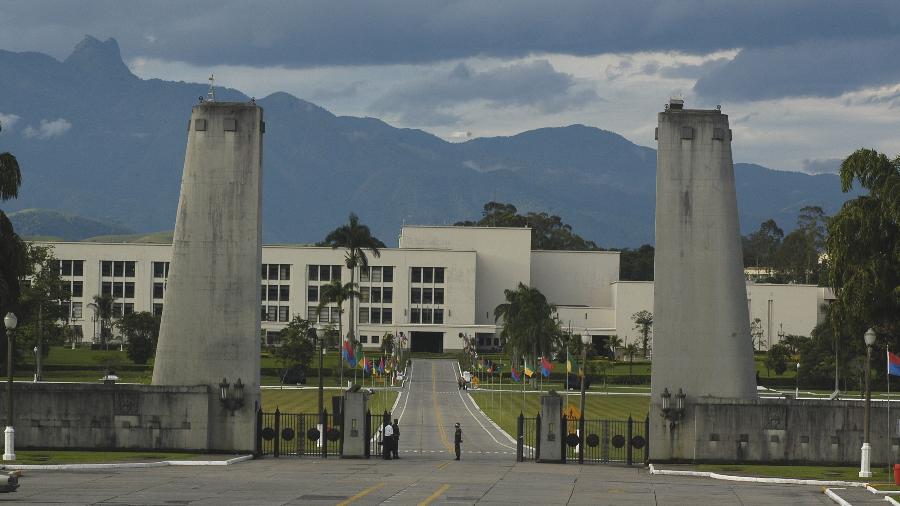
(501, 393)
(888, 370)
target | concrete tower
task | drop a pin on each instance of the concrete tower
(701, 338)
(210, 324)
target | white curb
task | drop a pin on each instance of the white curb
(125, 465)
(891, 500)
(836, 498)
(754, 479)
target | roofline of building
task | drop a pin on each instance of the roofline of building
(592, 251)
(295, 246)
(463, 227)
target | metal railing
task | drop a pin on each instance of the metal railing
(588, 440)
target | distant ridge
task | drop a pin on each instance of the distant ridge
(38, 223)
(121, 155)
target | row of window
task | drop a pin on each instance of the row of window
(275, 293)
(118, 290)
(74, 289)
(375, 315)
(117, 269)
(71, 267)
(427, 274)
(426, 296)
(326, 315)
(365, 339)
(417, 315)
(376, 294)
(324, 272)
(377, 274)
(276, 272)
(274, 313)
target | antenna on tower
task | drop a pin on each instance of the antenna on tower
(212, 88)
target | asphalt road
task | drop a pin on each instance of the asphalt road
(428, 407)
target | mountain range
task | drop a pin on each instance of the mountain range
(96, 141)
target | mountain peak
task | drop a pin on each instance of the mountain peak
(100, 58)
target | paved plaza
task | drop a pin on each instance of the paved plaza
(428, 407)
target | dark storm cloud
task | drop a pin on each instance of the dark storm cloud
(430, 100)
(814, 68)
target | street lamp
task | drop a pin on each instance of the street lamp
(585, 341)
(319, 333)
(797, 388)
(865, 460)
(9, 448)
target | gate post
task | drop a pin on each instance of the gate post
(259, 427)
(628, 452)
(520, 437)
(563, 436)
(276, 448)
(582, 439)
(647, 440)
(537, 438)
(323, 436)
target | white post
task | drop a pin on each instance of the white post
(865, 464)
(9, 441)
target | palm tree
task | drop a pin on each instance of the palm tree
(337, 293)
(631, 349)
(614, 343)
(103, 312)
(12, 249)
(355, 238)
(528, 322)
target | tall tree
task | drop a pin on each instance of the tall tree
(12, 248)
(643, 323)
(297, 349)
(548, 232)
(355, 238)
(141, 333)
(528, 322)
(863, 247)
(337, 293)
(761, 246)
(43, 304)
(102, 306)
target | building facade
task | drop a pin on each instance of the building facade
(439, 283)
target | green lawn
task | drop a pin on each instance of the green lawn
(307, 401)
(82, 457)
(613, 407)
(799, 472)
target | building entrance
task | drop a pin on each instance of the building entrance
(428, 342)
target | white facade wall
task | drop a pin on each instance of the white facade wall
(575, 277)
(630, 297)
(791, 309)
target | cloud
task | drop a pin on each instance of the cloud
(336, 93)
(693, 71)
(822, 166)
(431, 100)
(47, 129)
(7, 121)
(814, 68)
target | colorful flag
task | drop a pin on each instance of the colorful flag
(381, 366)
(572, 365)
(546, 367)
(893, 364)
(528, 371)
(366, 365)
(514, 375)
(349, 356)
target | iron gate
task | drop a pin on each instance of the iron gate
(591, 440)
(299, 434)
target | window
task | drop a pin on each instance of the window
(106, 288)
(118, 269)
(335, 315)
(76, 311)
(364, 294)
(312, 294)
(438, 295)
(387, 316)
(426, 296)
(325, 273)
(66, 267)
(387, 273)
(376, 316)
(283, 313)
(416, 274)
(427, 275)
(273, 292)
(284, 293)
(312, 314)
(387, 295)
(157, 309)
(415, 295)
(438, 274)
(323, 315)
(313, 272)
(376, 295)
(336, 272)
(160, 269)
(273, 337)
(363, 339)
(375, 339)
(364, 273)
(129, 290)
(106, 268)
(376, 274)
(272, 313)
(158, 290)
(117, 290)
(415, 315)
(117, 310)
(439, 316)
(129, 308)
(78, 267)
(364, 315)
(262, 292)
(77, 289)
(284, 272)
(426, 316)
(273, 271)
(262, 313)
(264, 272)
(129, 269)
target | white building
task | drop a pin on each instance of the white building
(442, 281)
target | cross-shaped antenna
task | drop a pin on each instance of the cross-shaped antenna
(212, 88)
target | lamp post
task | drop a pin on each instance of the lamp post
(320, 335)
(866, 456)
(585, 341)
(797, 387)
(9, 448)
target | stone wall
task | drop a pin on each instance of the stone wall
(95, 416)
(776, 430)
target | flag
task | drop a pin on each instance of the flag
(893, 362)
(366, 365)
(513, 374)
(381, 366)
(572, 365)
(546, 367)
(349, 356)
(528, 371)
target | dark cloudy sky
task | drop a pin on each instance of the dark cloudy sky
(804, 82)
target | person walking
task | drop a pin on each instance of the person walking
(395, 444)
(457, 440)
(386, 441)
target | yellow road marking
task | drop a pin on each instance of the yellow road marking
(437, 493)
(442, 466)
(361, 494)
(437, 410)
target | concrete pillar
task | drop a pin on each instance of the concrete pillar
(701, 334)
(551, 431)
(354, 429)
(210, 323)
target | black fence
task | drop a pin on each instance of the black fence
(599, 441)
(301, 434)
